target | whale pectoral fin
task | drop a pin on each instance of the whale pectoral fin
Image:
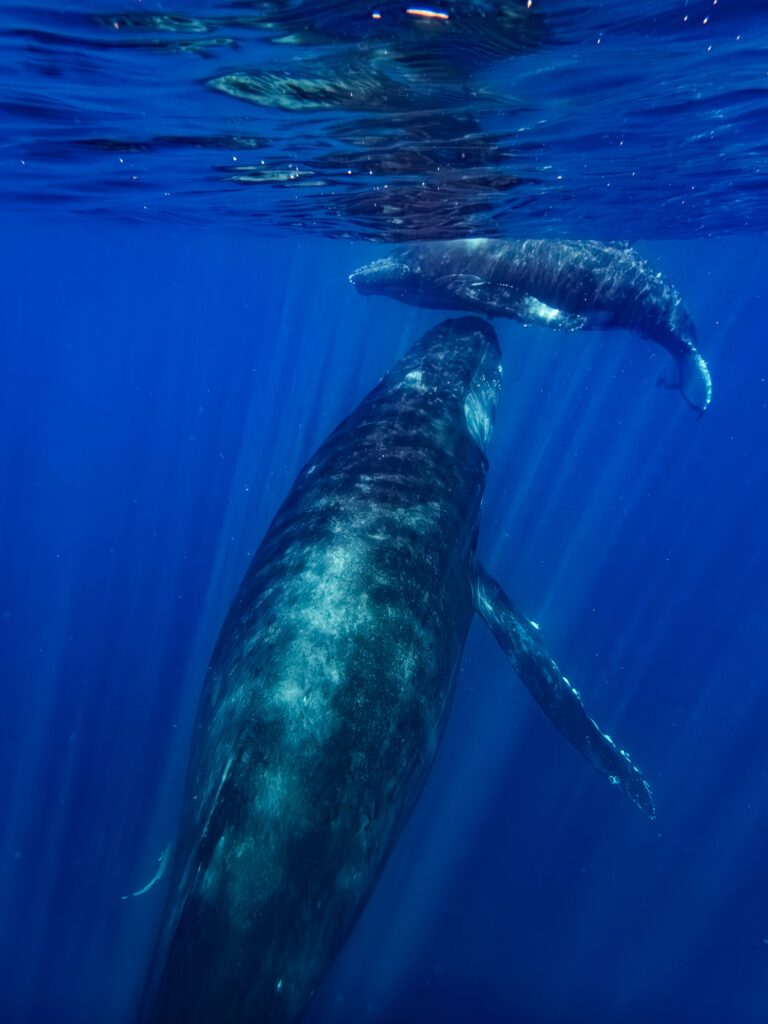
(520, 641)
(495, 298)
(534, 311)
(466, 291)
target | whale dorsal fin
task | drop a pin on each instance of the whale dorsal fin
(519, 639)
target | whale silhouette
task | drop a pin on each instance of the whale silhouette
(329, 687)
(566, 285)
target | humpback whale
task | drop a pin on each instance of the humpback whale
(567, 285)
(329, 686)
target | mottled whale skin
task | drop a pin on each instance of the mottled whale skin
(567, 285)
(328, 690)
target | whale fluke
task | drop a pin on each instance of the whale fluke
(693, 380)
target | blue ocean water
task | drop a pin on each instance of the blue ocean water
(178, 337)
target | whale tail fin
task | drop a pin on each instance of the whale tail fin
(519, 639)
(693, 380)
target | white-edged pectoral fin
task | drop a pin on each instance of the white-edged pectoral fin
(534, 311)
(519, 639)
(467, 291)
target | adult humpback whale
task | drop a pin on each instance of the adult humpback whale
(329, 687)
(567, 285)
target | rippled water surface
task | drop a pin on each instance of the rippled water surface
(385, 122)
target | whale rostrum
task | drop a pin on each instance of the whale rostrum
(328, 691)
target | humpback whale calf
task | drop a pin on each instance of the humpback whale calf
(329, 687)
(567, 285)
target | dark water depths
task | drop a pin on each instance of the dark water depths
(178, 334)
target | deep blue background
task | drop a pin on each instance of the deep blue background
(158, 393)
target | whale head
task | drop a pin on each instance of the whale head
(392, 276)
(457, 364)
